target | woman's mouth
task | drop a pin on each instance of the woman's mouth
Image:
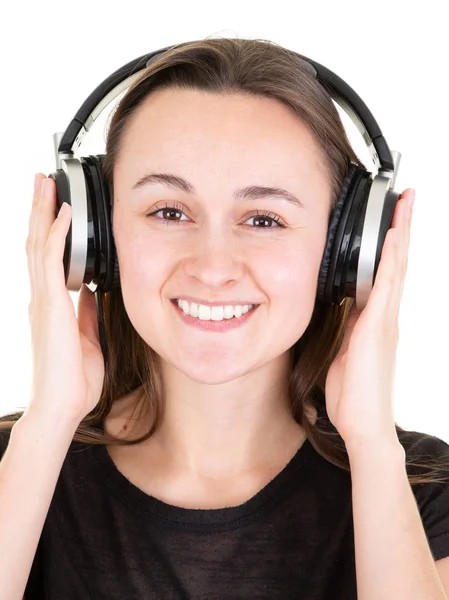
(220, 325)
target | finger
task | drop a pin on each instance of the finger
(397, 264)
(402, 247)
(51, 270)
(403, 200)
(388, 285)
(402, 252)
(383, 298)
(43, 222)
(405, 247)
(29, 245)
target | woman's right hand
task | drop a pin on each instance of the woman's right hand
(68, 364)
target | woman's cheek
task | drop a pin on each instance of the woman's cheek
(293, 271)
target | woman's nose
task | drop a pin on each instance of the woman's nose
(215, 257)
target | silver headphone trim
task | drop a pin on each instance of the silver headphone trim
(59, 155)
(382, 182)
(78, 195)
(370, 235)
(104, 103)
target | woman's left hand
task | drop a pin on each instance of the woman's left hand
(360, 382)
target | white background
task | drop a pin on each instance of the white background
(394, 54)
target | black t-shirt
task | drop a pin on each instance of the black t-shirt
(104, 538)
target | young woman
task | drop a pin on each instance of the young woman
(239, 442)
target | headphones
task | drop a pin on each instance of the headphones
(357, 228)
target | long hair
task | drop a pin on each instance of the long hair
(260, 68)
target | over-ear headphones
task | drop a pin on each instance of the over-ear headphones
(357, 228)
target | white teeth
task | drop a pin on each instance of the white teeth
(228, 312)
(204, 313)
(213, 313)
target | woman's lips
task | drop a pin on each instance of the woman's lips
(218, 326)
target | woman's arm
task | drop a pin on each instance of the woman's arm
(29, 471)
(392, 554)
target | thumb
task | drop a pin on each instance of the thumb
(87, 315)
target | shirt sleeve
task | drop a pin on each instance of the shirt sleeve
(432, 498)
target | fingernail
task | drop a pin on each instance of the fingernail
(411, 199)
(36, 182)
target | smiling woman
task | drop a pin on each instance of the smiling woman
(226, 167)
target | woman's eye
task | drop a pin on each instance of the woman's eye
(262, 220)
(267, 218)
(168, 214)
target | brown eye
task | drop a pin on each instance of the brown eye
(168, 214)
(265, 218)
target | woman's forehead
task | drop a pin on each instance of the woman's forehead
(220, 135)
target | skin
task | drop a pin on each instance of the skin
(224, 392)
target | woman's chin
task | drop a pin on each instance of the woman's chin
(210, 372)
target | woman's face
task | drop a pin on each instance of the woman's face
(213, 246)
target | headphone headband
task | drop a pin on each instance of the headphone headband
(122, 78)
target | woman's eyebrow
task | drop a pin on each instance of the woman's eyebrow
(251, 192)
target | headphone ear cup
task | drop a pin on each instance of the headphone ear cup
(107, 275)
(89, 253)
(337, 277)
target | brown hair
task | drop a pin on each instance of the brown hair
(260, 68)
